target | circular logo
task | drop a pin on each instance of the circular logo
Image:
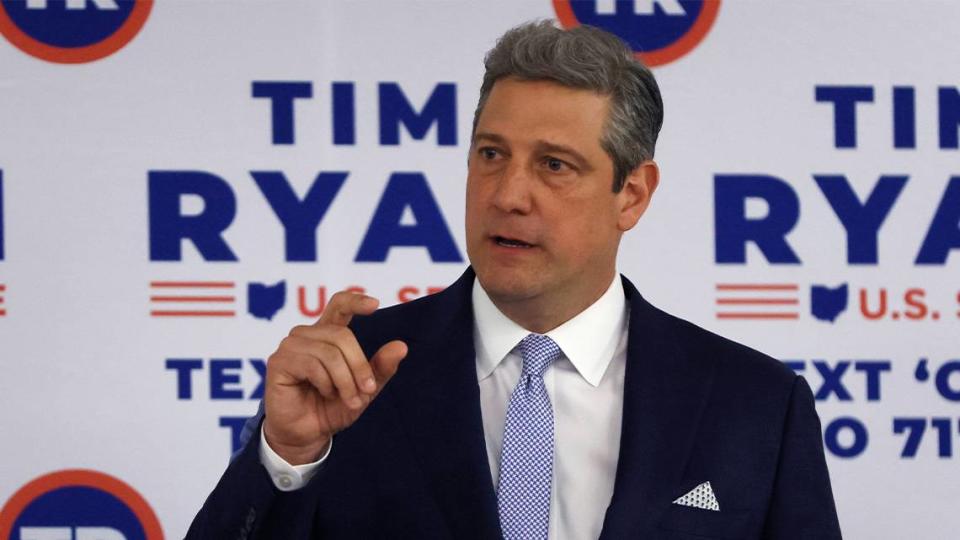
(78, 504)
(658, 31)
(72, 31)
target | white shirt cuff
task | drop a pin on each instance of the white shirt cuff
(287, 477)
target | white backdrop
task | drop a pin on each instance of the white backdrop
(93, 380)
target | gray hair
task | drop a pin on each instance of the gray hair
(591, 59)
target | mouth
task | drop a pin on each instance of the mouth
(511, 242)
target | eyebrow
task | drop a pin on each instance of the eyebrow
(492, 137)
(541, 145)
(552, 148)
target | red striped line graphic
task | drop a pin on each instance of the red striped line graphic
(758, 301)
(192, 298)
(194, 284)
(3, 312)
(160, 313)
(758, 315)
(757, 287)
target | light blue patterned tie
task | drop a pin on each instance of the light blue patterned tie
(526, 463)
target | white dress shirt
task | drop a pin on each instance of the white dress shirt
(585, 386)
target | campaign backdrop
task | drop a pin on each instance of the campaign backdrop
(183, 182)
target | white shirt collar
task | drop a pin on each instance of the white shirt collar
(588, 340)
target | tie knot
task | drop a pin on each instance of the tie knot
(538, 352)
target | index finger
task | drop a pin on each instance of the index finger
(344, 305)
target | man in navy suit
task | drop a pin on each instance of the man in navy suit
(539, 395)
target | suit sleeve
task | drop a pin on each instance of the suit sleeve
(245, 504)
(802, 505)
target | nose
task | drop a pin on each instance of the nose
(512, 193)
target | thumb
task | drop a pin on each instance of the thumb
(386, 360)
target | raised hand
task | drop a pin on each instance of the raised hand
(319, 381)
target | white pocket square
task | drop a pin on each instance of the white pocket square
(700, 497)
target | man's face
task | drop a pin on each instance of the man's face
(542, 221)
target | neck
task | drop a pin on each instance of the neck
(541, 314)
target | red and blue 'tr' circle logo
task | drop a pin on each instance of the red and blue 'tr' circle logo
(658, 31)
(72, 31)
(78, 504)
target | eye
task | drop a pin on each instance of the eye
(556, 165)
(488, 153)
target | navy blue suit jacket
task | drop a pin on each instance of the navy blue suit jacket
(696, 408)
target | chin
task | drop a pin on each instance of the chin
(508, 285)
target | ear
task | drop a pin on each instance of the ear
(637, 191)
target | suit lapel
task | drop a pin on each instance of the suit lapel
(438, 402)
(439, 407)
(665, 392)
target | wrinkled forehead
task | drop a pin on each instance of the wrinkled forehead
(524, 110)
(512, 80)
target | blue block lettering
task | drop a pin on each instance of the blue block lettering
(949, 107)
(281, 95)
(235, 425)
(299, 217)
(734, 229)
(832, 383)
(861, 221)
(832, 437)
(904, 117)
(408, 190)
(944, 427)
(344, 114)
(169, 226)
(844, 99)
(441, 108)
(914, 428)
(184, 368)
(223, 373)
(872, 369)
(260, 366)
(943, 380)
(944, 232)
